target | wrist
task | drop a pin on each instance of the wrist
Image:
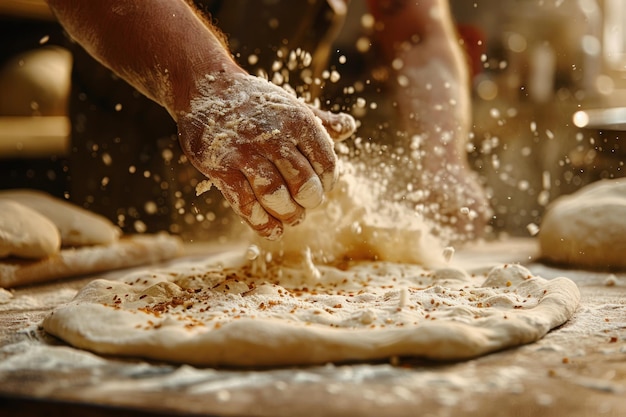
(201, 72)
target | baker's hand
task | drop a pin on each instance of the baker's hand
(269, 153)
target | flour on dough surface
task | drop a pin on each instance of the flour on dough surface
(218, 312)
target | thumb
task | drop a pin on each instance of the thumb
(340, 126)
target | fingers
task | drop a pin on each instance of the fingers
(271, 191)
(267, 195)
(304, 184)
(340, 126)
(238, 192)
(271, 155)
(314, 145)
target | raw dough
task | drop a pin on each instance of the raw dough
(78, 227)
(587, 229)
(124, 253)
(227, 312)
(26, 233)
(359, 280)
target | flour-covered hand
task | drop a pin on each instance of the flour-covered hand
(270, 154)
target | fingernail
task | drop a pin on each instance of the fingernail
(310, 194)
(259, 218)
(280, 202)
(258, 215)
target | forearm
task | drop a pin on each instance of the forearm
(434, 99)
(158, 46)
(432, 79)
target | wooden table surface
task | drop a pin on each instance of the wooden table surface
(577, 370)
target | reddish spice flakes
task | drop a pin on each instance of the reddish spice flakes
(337, 306)
(613, 339)
(565, 360)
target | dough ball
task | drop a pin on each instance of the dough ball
(25, 233)
(587, 229)
(78, 227)
(36, 82)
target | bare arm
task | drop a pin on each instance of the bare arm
(433, 80)
(270, 154)
(432, 90)
(159, 46)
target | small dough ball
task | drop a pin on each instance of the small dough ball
(25, 233)
(587, 229)
(78, 227)
(36, 82)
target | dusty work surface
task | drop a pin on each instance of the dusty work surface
(578, 369)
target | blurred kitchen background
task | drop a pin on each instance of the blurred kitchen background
(549, 89)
